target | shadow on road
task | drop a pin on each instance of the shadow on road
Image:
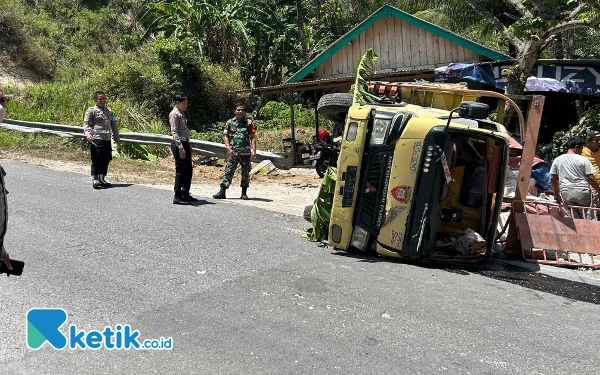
(260, 199)
(118, 185)
(200, 202)
(527, 277)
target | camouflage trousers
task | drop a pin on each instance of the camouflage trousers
(232, 163)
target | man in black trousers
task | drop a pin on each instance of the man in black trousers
(180, 147)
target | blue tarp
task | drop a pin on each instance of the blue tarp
(568, 77)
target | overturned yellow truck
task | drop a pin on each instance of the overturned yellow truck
(421, 181)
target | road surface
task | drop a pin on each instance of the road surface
(239, 291)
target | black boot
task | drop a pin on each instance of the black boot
(96, 184)
(178, 199)
(103, 182)
(220, 194)
(244, 195)
(187, 197)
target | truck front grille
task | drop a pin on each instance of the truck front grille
(371, 192)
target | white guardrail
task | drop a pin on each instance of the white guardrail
(281, 161)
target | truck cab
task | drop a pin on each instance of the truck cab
(420, 182)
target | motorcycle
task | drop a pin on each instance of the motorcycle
(324, 153)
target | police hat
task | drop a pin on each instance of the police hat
(180, 98)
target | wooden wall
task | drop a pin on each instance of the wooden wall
(399, 46)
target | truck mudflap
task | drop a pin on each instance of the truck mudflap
(544, 235)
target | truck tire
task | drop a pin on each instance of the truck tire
(338, 130)
(334, 107)
(321, 167)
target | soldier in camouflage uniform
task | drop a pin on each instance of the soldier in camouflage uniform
(240, 141)
(98, 122)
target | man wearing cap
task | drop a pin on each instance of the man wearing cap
(98, 122)
(572, 176)
(180, 147)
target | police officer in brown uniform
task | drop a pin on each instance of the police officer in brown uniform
(3, 220)
(180, 147)
(98, 123)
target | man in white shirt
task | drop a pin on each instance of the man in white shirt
(572, 176)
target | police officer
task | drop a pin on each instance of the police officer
(3, 220)
(98, 122)
(240, 141)
(180, 147)
(2, 105)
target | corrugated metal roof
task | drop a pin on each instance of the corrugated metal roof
(407, 73)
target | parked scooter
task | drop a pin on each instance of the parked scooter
(324, 152)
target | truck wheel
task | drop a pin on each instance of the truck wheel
(338, 130)
(321, 168)
(334, 107)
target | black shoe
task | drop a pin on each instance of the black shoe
(189, 198)
(244, 197)
(180, 201)
(220, 194)
(96, 184)
(103, 182)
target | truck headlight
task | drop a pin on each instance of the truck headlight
(381, 129)
(360, 238)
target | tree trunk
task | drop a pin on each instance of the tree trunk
(558, 47)
(300, 25)
(516, 80)
(317, 5)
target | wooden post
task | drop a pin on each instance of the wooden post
(532, 127)
(316, 116)
(500, 111)
(293, 129)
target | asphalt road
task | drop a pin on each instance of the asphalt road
(239, 291)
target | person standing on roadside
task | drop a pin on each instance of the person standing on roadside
(572, 176)
(239, 137)
(3, 207)
(591, 151)
(2, 106)
(180, 147)
(3, 216)
(98, 122)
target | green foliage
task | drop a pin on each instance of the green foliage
(212, 134)
(206, 85)
(590, 120)
(136, 76)
(136, 151)
(277, 115)
(364, 68)
(529, 28)
(321, 210)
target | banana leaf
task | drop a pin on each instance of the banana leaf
(321, 209)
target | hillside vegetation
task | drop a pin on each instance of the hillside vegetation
(142, 52)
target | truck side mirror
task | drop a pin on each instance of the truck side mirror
(473, 110)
